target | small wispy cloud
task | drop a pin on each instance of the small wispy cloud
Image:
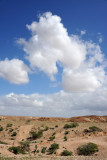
(100, 38)
(83, 32)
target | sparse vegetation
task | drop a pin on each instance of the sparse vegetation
(66, 153)
(36, 139)
(87, 149)
(1, 142)
(9, 125)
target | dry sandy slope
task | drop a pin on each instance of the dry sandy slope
(23, 125)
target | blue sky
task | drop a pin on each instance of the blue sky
(51, 49)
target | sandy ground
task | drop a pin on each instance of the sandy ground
(76, 137)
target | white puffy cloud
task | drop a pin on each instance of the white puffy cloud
(82, 81)
(61, 104)
(51, 46)
(15, 71)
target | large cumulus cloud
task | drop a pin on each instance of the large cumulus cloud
(51, 46)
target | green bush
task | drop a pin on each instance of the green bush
(37, 151)
(1, 128)
(16, 150)
(43, 150)
(46, 128)
(53, 133)
(14, 134)
(1, 142)
(28, 121)
(11, 130)
(66, 126)
(36, 135)
(36, 147)
(86, 131)
(87, 149)
(65, 138)
(52, 128)
(25, 146)
(66, 132)
(51, 138)
(9, 125)
(93, 129)
(52, 149)
(75, 124)
(66, 153)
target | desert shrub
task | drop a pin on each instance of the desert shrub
(75, 124)
(66, 132)
(94, 128)
(1, 128)
(9, 125)
(46, 128)
(87, 149)
(36, 135)
(38, 151)
(43, 150)
(52, 149)
(53, 133)
(56, 126)
(11, 130)
(66, 126)
(51, 138)
(1, 142)
(25, 146)
(66, 153)
(16, 150)
(86, 131)
(65, 138)
(14, 134)
(28, 121)
(52, 128)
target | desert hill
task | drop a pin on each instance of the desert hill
(91, 118)
(33, 136)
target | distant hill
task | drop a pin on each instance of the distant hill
(90, 118)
